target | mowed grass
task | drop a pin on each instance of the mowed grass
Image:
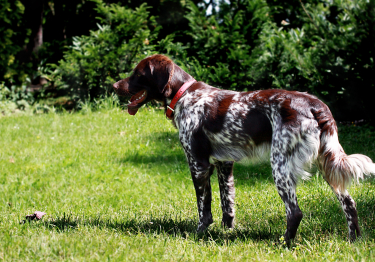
(117, 187)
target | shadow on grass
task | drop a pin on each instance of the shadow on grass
(167, 151)
(163, 150)
(244, 174)
(138, 159)
(316, 223)
(184, 228)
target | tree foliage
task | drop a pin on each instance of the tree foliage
(94, 62)
(222, 43)
(325, 47)
(12, 39)
(330, 55)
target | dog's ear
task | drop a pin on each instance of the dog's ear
(162, 73)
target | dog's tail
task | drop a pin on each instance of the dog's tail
(338, 168)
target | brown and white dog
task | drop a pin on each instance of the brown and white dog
(219, 127)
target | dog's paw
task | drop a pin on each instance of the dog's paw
(202, 227)
(227, 221)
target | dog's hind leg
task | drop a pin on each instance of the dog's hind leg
(287, 191)
(349, 207)
(350, 211)
(338, 170)
(285, 181)
(227, 192)
(293, 151)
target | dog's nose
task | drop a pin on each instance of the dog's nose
(115, 85)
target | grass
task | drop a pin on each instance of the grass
(117, 187)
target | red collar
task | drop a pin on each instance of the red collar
(180, 92)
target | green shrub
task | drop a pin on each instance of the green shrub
(222, 43)
(331, 55)
(14, 98)
(12, 39)
(95, 62)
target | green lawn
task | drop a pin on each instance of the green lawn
(117, 187)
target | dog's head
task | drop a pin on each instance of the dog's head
(154, 78)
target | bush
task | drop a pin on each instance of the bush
(12, 39)
(331, 55)
(222, 43)
(14, 98)
(95, 62)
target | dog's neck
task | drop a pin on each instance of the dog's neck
(179, 78)
(181, 91)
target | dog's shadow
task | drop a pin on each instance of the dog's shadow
(331, 221)
(184, 228)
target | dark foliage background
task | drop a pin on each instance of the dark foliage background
(77, 49)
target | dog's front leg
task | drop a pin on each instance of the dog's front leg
(226, 183)
(201, 178)
(197, 149)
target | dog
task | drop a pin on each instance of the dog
(219, 127)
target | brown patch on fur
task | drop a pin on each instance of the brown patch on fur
(263, 97)
(325, 120)
(288, 114)
(224, 104)
(216, 113)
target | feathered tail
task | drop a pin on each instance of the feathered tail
(339, 168)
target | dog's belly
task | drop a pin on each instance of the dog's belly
(238, 148)
(246, 135)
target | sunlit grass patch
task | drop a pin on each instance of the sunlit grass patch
(118, 187)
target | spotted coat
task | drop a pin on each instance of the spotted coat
(219, 127)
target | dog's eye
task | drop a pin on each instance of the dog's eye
(139, 75)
